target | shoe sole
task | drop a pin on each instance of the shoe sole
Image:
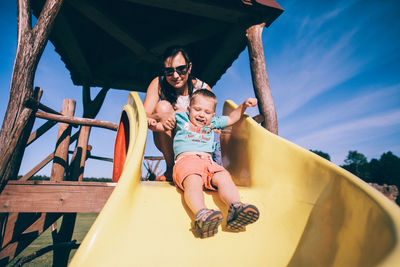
(248, 215)
(210, 226)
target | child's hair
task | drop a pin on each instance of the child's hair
(206, 93)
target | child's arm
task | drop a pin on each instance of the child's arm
(237, 114)
(161, 122)
(155, 125)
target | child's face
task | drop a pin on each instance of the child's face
(201, 110)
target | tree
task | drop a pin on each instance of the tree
(390, 168)
(375, 170)
(357, 164)
(321, 154)
(19, 117)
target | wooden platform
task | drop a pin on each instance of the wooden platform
(48, 196)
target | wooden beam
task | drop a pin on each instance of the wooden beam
(191, 35)
(120, 83)
(60, 197)
(35, 104)
(154, 157)
(216, 67)
(21, 230)
(16, 224)
(38, 167)
(71, 47)
(258, 118)
(109, 26)
(40, 131)
(92, 107)
(260, 78)
(60, 254)
(50, 157)
(76, 120)
(100, 158)
(196, 8)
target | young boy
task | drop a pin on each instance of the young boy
(194, 168)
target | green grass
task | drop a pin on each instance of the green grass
(83, 223)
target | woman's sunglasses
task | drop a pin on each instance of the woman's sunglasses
(181, 70)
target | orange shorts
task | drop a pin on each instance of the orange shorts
(196, 164)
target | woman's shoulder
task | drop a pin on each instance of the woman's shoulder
(199, 84)
(155, 82)
(155, 85)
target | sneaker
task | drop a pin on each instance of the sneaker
(207, 222)
(240, 215)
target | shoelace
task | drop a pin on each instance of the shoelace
(202, 213)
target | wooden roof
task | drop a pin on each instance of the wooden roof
(118, 43)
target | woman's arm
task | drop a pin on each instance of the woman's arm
(195, 81)
(152, 97)
(208, 88)
(237, 113)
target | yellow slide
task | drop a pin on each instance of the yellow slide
(313, 213)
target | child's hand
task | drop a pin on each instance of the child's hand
(168, 122)
(151, 123)
(250, 102)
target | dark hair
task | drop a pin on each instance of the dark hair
(167, 90)
(204, 92)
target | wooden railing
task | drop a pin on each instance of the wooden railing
(29, 207)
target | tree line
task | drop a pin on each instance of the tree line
(385, 170)
(85, 179)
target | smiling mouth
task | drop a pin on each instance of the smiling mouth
(201, 121)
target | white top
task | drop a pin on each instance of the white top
(183, 101)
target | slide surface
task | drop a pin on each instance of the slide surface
(312, 213)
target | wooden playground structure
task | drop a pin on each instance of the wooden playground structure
(110, 45)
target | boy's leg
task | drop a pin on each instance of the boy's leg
(227, 189)
(239, 214)
(207, 221)
(193, 193)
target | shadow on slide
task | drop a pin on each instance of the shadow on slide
(313, 213)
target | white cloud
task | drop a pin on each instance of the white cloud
(376, 98)
(313, 71)
(342, 131)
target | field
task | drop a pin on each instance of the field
(83, 223)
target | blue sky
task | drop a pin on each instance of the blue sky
(333, 67)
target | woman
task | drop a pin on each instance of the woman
(167, 93)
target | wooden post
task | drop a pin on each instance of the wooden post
(60, 162)
(12, 169)
(91, 108)
(61, 255)
(260, 77)
(30, 45)
(80, 155)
